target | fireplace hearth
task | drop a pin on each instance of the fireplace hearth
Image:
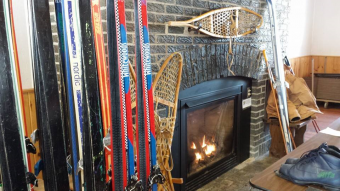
(212, 133)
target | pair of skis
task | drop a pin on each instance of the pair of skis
(279, 84)
(149, 172)
(11, 138)
(49, 113)
(12, 80)
(71, 65)
(79, 65)
(124, 175)
(102, 70)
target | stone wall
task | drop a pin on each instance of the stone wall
(167, 39)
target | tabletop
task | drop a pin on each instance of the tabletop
(267, 180)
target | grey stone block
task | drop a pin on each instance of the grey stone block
(157, 28)
(104, 27)
(184, 2)
(151, 17)
(175, 48)
(182, 18)
(192, 12)
(206, 40)
(129, 4)
(128, 16)
(130, 27)
(131, 49)
(258, 96)
(259, 82)
(176, 30)
(155, 7)
(130, 38)
(155, 67)
(166, 1)
(214, 5)
(165, 38)
(183, 40)
(257, 120)
(164, 18)
(157, 49)
(153, 59)
(103, 3)
(54, 29)
(103, 14)
(152, 38)
(174, 9)
(200, 4)
(55, 38)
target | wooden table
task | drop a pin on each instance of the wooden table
(267, 180)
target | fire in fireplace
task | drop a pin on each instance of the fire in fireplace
(210, 137)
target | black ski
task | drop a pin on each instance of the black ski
(11, 158)
(94, 159)
(50, 125)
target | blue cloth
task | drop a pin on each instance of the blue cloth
(39, 166)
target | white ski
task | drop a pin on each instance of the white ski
(280, 76)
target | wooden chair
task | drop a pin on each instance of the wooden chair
(165, 91)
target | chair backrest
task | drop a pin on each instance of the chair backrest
(167, 84)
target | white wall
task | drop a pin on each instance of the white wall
(326, 28)
(300, 27)
(22, 39)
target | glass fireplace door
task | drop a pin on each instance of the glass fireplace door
(210, 135)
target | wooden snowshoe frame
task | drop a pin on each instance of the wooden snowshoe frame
(224, 23)
(166, 88)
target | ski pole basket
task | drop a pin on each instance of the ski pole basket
(165, 90)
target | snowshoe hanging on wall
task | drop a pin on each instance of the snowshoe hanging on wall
(224, 23)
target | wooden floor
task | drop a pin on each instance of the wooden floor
(324, 120)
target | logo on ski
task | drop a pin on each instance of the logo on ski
(70, 14)
(77, 77)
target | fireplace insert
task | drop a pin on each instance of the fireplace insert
(212, 133)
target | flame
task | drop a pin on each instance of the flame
(210, 149)
(198, 156)
(193, 146)
(207, 148)
(203, 144)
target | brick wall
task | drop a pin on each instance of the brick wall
(167, 39)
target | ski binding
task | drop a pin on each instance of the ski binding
(134, 184)
(156, 177)
(31, 179)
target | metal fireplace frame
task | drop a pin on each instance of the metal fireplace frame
(219, 90)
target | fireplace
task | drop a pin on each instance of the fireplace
(210, 134)
(212, 131)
